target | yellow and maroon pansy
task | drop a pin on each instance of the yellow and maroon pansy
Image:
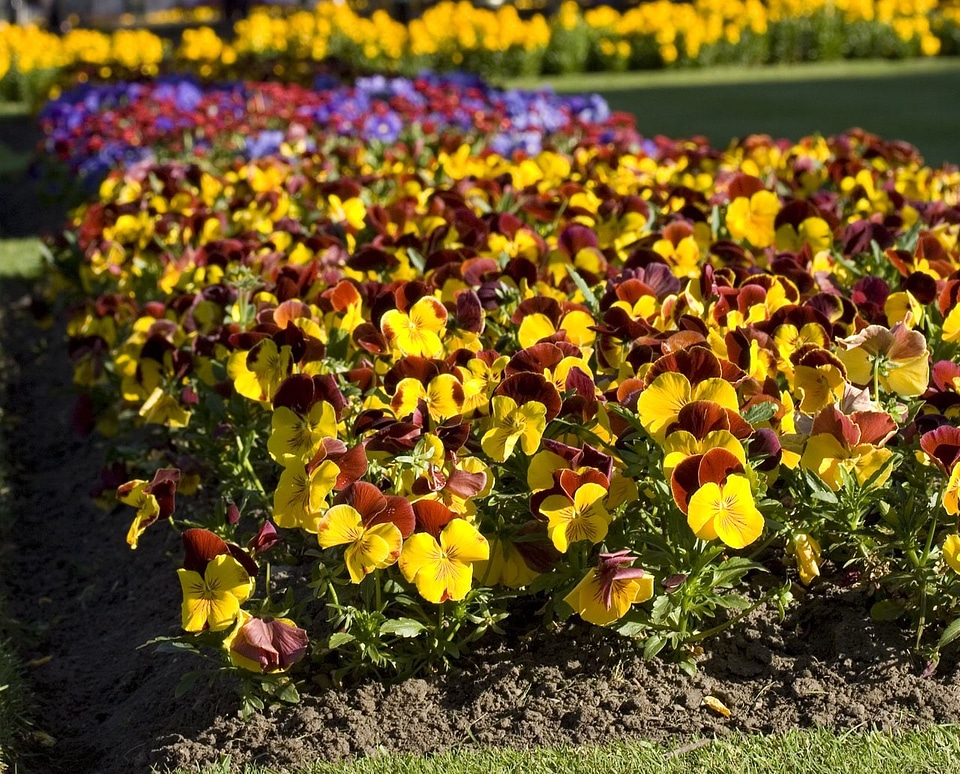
(713, 466)
(258, 374)
(371, 525)
(301, 492)
(661, 401)
(441, 565)
(443, 397)
(942, 446)
(819, 378)
(726, 511)
(417, 332)
(215, 580)
(853, 443)
(897, 360)
(580, 517)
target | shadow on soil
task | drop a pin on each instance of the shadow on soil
(27, 206)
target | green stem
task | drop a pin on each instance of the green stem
(741, 615)
(931, 535)
(267, 584)
(247, 466)
(876, 381)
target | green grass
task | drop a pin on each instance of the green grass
(20, 258)
(933, 750)
(913, 101)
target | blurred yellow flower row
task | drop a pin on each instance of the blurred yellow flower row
(454, 35)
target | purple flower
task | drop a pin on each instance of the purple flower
(385, 128)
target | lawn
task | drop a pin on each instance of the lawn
(812, 751)
(915, 101)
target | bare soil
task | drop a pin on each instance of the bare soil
(87, 601)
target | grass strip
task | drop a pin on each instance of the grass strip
(20, 258)
(809, 751)
(14, 109)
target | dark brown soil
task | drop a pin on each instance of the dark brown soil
(89, 602)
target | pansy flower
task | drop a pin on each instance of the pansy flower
(581, 516)
(896, 360)
(258, 373)
(440, 562)
(301, 491)
(607, 591)
(819, 377)
(751, 217)
(301, 419)
(214, 582)
(371, 525)
(417, 331)
(660, 403)
(726, 511)
(852, 443)
(520, 409)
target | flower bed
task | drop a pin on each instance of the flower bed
(287, 46)
(409, 387)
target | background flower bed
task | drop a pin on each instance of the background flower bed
(498, 44)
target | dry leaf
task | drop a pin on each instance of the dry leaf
(713, 703)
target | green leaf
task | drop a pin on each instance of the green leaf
(186, 684)
(416, 260)
(339, 638)
(887, 610)
(732, 570)
(818, 489)
(662, 607)
(582, 286)
(290, 694)
(631, 629)
(402, 627)
(653, 645)
(732, 602)
(760, 412)
(949, 634)
(688, 664)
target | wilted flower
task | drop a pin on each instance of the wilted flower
(265, 644)
(806, 551)
(154, 500)
(607, 591)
